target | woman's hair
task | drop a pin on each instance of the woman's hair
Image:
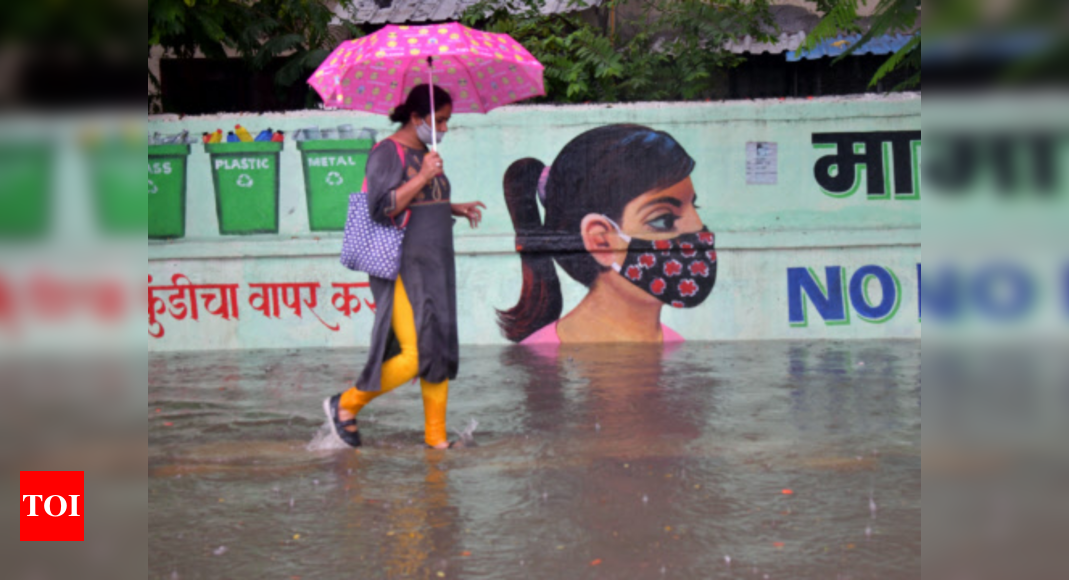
(598, 172)
(419, 102)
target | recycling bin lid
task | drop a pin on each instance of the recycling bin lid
(169, 149)
(336, 144)
(244, 147)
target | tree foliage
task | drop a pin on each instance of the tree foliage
(261, 31)
(673, 49)
(672, 53)
(889, 17)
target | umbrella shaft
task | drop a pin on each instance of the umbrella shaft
(434, 118)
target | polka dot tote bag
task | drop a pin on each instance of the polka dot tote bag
(369, 246)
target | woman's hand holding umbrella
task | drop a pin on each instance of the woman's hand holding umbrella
(432, 167)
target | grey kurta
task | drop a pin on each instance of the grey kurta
(427, 269)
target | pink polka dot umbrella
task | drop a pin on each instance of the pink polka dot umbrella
(481, 70)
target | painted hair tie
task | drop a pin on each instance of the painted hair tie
(542, 184)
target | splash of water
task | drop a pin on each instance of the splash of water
(325, 440)
(467, 434)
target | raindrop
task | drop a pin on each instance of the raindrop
(275, 489)
(872, 507)
(219, 551)
(597, 426)
(315, 482)
(350, 471)
(174, 574)
(868, 531)
(663, 570)
(861, 363)
(727, 560)
(645, 499)
(545, 496)
(291, 502)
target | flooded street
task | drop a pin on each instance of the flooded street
(779, 460)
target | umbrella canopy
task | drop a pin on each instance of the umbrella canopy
(481, 70)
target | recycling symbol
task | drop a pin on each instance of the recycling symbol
(152, 189)
(334, 179)
(244, 180)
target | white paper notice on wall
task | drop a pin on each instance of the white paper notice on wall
(761, 163)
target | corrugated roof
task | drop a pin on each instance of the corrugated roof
(883, 44)
(400, 11)
(787, 41)
(794, 24)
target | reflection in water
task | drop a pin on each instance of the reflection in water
(593, 462)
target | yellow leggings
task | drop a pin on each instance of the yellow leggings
(402, 369)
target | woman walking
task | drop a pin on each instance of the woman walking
(415, 329)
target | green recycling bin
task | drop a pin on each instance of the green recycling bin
(25, 194)
(333, 169)
(167, 191)
(121, 207)
(246, 186)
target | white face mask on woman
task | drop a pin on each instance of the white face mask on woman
(423, 131)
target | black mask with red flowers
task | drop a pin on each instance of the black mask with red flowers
(680, 272)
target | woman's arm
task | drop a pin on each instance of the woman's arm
(432, 167)
(470, 211)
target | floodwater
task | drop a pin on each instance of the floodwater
(779, 460)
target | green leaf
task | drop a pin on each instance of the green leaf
(896, 59)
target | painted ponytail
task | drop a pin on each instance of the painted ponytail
(540, 299)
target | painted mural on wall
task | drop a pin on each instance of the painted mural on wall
(182, 299)
(888, 159)
(604, 232)
(621, 219)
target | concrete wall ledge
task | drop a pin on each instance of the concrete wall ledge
(327, 245)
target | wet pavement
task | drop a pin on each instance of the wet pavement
(713, 460)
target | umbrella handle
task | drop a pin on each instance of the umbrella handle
(434, 120)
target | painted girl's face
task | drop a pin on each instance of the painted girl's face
(663, 214)
(654, 215)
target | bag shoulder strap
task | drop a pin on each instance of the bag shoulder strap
(407, 212)
(400, 149)
(400, 153)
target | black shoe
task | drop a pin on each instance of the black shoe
(330, 407)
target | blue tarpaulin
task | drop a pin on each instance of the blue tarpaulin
(884, 44)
